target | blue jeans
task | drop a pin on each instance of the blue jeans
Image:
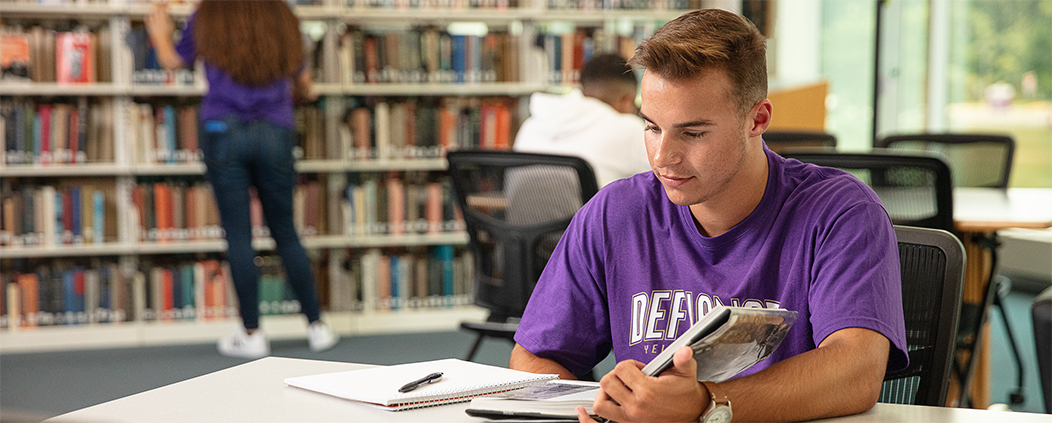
(257, 154)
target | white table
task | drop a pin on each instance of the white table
(254, 393)
(982, 212)
(990, 209)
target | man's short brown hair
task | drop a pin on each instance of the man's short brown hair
(709, 39)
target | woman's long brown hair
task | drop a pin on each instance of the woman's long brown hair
(254, 41)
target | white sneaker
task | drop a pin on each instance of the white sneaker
(241, 344)
(321, 337)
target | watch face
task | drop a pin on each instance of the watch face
(722, 414)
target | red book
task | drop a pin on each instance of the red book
(45, 133)
(168, 293)
(219, 290)
(396, 206)
(372, 60)
(433, 209)
(447, 128)
(190, 211)
(503, 126)
(14, 56)
(162, 208)
(188, 130)
(362, 132)
(78, 283)
(75, 57)
(30, 286)
(213, 287)
(578, 54)
(67, 216)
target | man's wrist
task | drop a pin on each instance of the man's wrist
(706, 400)
(719, 407)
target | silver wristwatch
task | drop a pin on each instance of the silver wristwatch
(719, 410)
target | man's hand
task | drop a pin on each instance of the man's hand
(627, 395)
(158, 24)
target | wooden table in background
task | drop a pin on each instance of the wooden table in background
(983, 212)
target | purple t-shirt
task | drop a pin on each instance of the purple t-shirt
(632, 272)
(272, 103)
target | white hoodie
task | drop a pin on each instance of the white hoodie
(588, 128)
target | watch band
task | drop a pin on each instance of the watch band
(716, 393)
(719, 410)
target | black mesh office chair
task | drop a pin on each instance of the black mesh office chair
(780, 141)
(916, 189)
(978, 160)
(932, 266)
(981, 160)
(516, 207)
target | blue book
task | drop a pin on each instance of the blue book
(177, 288)
(105, 281)
(75, 199)
(99, 209)
(395, 275)
(189, 286)
(459, 57)
(73, 291)
(444, 258)
(557, 64)
(26, 143)
(169, 129)
(36, 137)
(589, 50)
(549, 43)
(70, 301)
(151, 58)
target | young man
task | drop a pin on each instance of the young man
(720, 220)
(597, 123)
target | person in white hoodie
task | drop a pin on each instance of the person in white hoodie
(597, 122)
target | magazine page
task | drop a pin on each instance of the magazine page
(728, 340)
(748, 337)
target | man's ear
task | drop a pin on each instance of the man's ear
(759, 118)
(627, 104)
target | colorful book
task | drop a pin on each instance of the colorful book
(75, 58)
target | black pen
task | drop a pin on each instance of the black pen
(431, 378)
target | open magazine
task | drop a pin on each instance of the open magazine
(726, 341)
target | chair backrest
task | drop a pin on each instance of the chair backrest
(932, 267)
(780, 141)
(516, 207)
(978, 160)
(914, 187)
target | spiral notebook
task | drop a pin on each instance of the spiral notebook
(461, 381)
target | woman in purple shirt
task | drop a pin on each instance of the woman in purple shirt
(253, 59)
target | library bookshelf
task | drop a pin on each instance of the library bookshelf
(354, 155)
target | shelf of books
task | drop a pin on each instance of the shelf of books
(109, 235)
